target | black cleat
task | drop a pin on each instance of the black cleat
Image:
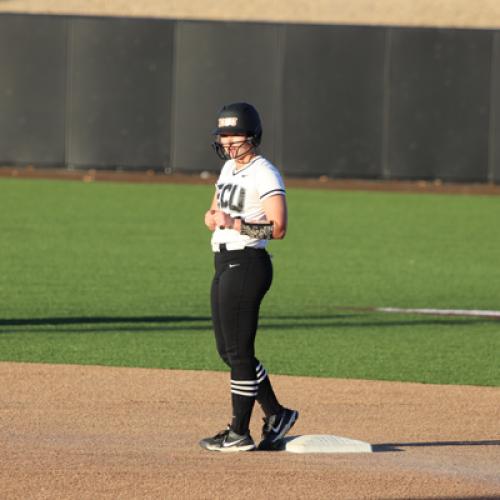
(228, 441)
(276, 427)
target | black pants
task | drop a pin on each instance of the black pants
(242, 278)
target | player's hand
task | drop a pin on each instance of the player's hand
(223, 220)
(210, 220)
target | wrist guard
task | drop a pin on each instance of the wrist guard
(257, 231)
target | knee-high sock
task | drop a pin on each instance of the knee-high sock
(265, 394)
(243, 393)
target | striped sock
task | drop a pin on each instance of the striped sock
(265, 395)
(243, 396)
(243, 393)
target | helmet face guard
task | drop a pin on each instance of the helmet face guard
(222, 151)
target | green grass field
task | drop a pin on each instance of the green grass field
(118, 274)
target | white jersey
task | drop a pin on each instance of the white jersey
(240, 193)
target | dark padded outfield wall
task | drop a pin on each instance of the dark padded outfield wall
(439, 105)
(343, 101)
(120, 92)
(494, 173)
(219, 63)
(333, 100)
(32, 89)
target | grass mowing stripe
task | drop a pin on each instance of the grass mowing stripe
(406, 250)
(122, 252)
(102, 249)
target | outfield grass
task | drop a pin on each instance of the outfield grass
(118, 274)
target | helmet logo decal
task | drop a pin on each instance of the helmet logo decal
(228, 121)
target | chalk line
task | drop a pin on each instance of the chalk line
(477, 313)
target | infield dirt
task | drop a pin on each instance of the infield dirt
(102, 432)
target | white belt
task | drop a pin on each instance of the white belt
(229, 246)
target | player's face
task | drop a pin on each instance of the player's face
(236, 146)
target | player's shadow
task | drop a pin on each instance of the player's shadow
(384, 447)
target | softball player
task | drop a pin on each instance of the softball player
(248, 209)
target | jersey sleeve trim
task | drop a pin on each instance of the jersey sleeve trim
(277, 191)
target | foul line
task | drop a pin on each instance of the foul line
(477, 313)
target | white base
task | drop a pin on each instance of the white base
(325, 443)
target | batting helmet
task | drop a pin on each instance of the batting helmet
(239, 118)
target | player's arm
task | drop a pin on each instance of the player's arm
(274, 227)
(209, 214)
(276, 211)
